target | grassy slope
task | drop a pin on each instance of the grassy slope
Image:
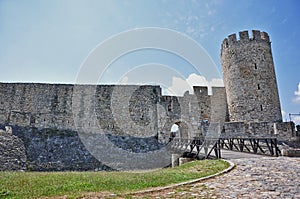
(73, 184)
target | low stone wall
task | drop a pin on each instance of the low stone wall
(283, 131)
(291, 152)
(234, 127)
(185, 160)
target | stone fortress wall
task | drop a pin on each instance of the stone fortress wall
(119, 109)
(193, 111)
(49, 117)
(37, 105)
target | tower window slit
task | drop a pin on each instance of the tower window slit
(261, 108)
(258, 86)
(169, 107)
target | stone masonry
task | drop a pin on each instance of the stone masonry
(249, 78)
(48, 119)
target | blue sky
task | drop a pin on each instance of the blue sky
(48, 40)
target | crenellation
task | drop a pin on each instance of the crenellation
(232, 39)
(225, 43)
(265, 36)
(218, 105)
(244, 36)
(256, 35)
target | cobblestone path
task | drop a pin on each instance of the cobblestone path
(260, 177)
(263, 177)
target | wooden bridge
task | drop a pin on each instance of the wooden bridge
(205, 147)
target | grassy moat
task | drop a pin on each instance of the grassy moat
(76, 184)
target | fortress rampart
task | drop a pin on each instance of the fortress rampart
(55, 106)
(49, 117)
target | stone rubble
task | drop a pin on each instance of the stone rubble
(12, 153)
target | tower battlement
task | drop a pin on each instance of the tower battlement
(244, 37)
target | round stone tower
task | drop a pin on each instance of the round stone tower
(249, 78)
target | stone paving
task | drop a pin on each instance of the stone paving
(263, 177)
(256, 177)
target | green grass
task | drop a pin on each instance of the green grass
(74, 184)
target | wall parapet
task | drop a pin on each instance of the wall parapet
(283, 131)
(257, 36)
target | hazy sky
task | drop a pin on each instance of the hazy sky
(49, 40)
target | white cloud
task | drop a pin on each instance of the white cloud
(124, 80)
(296, 120)
(297, 94)
(194, 80)
(180, 86)
(190, 30)
(284, 116)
